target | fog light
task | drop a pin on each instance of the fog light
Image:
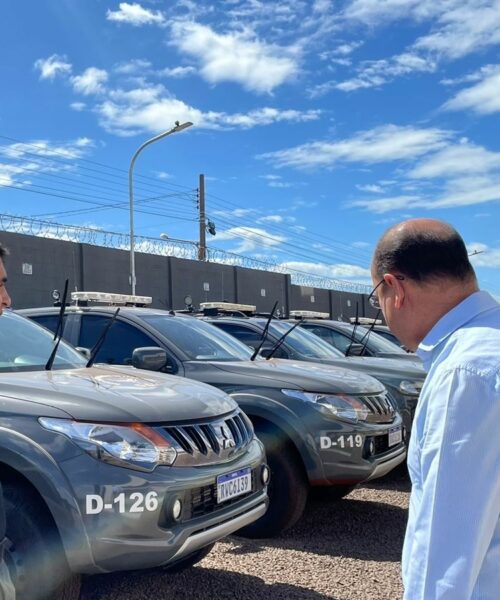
(177, 509)
(265, 474)
(371, 448)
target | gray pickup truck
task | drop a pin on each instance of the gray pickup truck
(113, 468)
(322, 426)
(403, 379)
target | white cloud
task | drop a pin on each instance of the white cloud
(78, 106)
(383, 205)
(251, 238)
(461, 191)
(374, 12)
(239, 57)
(378, 72)
(17, 163)
(90, 81)
(483, 98)
(271, 219)
(465, 158)
(276, 181)
(163, 175)
(360, 244)
(371, 188)
(51, 67)
(135, 14)
(464, 27)
(457, 28)
(385, 143)
(334, 271)
(237, 212)
(151, 109)
(132, 67)
(177, 72)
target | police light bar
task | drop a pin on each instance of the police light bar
(365, 321)
(109, 298)
(229, 306)
(309, 314)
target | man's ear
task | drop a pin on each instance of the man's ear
(397, 289)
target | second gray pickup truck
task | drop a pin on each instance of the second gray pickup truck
(322, 426)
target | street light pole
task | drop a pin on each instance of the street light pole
(178, 127)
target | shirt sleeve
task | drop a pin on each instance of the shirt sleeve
(459, 499)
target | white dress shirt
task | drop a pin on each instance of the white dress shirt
(452, 543)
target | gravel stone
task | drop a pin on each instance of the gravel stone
(347, 550)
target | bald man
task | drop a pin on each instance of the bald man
(427, 289)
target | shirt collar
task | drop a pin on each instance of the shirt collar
(469, 308)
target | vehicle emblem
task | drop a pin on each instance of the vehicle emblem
(227, 440)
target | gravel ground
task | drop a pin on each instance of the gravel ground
(348, 550)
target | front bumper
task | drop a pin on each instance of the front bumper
(351, 462)
(122, 537)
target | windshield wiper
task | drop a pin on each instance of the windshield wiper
(59, 329)
(264, 333)
(353, 330)
(367, 334)
(282, 339)
(100, 341)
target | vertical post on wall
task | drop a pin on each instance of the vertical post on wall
(202, 246)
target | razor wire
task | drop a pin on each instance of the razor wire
(169, 247)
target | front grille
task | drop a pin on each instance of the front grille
(211, 441)
(381, 409)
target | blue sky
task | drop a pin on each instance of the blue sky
(317, 124)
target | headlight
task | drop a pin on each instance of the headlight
(136, 445)
(410, 387)
(342, 407)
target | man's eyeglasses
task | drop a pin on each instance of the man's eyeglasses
(373, 297)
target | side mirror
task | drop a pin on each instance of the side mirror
(150, 358)
(356, 350)
(84, 351)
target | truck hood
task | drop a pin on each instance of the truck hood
(118, 394)
(384, 367)
(312, 377)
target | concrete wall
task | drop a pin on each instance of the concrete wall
(37, 266)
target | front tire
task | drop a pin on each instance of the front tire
(287, 490)
(35, 553)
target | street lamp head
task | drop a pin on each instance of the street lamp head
(181, 126)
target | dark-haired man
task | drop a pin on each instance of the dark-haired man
(428, 292)
(6, 588)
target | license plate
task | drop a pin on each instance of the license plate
(234, 484)
(395, 436)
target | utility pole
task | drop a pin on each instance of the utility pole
(202, 246)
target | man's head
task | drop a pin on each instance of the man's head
(4, 296)
(422, 270)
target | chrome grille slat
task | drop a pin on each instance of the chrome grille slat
(242, 429)
(234, 430)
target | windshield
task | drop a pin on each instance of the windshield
(197, 339)
(376, 343)
(304, 343)
(26, 346)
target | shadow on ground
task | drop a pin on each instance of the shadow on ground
(193, 583)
